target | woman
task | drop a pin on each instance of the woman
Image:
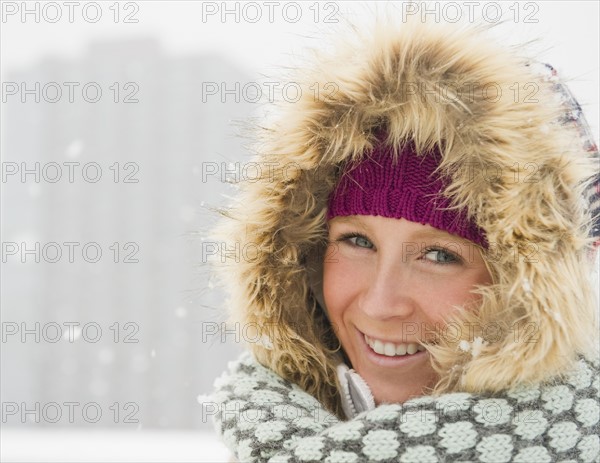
(423, 240)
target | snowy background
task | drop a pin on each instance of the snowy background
(114, 117)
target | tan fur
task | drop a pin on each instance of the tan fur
(283, 214)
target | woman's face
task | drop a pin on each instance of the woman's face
(387, 283)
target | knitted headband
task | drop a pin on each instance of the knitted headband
(407, 189)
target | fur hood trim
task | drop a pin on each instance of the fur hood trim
(514, 164)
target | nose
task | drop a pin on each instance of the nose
(389, 295)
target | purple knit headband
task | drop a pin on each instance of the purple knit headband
(406, 189)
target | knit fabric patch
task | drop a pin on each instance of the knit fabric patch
(262, 418)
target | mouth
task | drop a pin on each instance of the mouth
(391, 354)
(391, 349)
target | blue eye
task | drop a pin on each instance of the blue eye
(356, 239)
(360, 241)
(440, 256)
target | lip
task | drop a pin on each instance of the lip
(384, 360)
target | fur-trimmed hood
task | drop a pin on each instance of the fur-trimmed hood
(481, 105)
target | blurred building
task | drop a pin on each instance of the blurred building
(150, 200)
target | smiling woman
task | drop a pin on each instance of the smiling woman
(389, 281)
(384, 301)
(411, 212)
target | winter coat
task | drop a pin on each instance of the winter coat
(263, 418)
(518, 158)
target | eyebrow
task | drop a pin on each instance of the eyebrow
(351, 218)
(433, 233)
(438, 234)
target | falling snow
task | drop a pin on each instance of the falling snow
(478, 343)
(74, 149)
(473, 347)
(266, 342)
(464, 345)
(181, 312)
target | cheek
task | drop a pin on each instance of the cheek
(333, 286)
(340, 285)
(441, 302)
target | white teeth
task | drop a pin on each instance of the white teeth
(389, 349)
(392, 350)
(378, 347)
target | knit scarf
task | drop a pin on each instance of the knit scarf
(263, 418)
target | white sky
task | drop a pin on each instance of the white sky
(569, 30)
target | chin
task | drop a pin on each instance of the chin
(397, 394)
(386, 390)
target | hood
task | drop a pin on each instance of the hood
(528, 187)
